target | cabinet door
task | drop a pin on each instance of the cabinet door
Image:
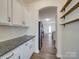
(4, 11)
(21, 50)
(17, 13)
(28, 51)
(25, 51)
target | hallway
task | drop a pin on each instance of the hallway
(48, 50)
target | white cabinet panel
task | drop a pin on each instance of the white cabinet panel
(4, 11)
(17, 13)
(30, 50)
(27, 50)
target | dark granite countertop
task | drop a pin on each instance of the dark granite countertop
(9, 45)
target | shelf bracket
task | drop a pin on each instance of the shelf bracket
(64, 25)
(64, 9)
(64, 17)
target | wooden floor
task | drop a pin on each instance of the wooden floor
(48, 50)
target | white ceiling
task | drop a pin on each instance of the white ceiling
(48, 13)
(30, 1)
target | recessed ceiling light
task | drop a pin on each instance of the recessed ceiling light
(47, 19)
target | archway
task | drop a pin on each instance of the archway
(48, 17)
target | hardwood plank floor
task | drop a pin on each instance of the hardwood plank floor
(48, 50)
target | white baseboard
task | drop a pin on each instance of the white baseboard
(59, 55)
(36, 51)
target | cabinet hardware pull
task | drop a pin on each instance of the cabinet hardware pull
(8, 19)
(19, 57)
(30, 47)
(23, 22)
(10, 56)
(26, 44)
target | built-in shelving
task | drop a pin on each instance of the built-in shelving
(71, 10)
(69, 21)
(67, 3)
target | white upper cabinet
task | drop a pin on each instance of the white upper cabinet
(12, 12)
(4, 11)
(17, 13)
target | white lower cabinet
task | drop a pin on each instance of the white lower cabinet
(27, 50)
(12, 54)
(24, 51)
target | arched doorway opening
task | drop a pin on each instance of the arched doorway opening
(48, 21)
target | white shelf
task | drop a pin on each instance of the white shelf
(69, 21)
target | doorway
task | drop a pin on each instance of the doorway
(48, 18)
(47, 33)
